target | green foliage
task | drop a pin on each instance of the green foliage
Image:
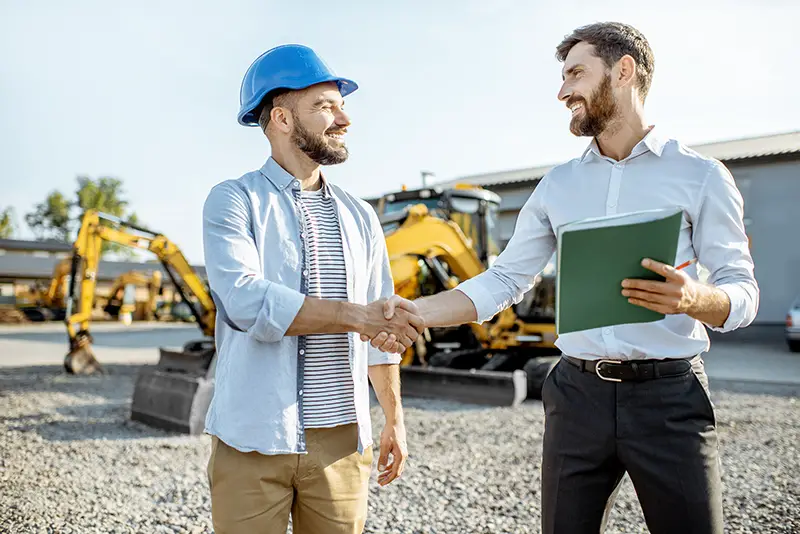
(59, 218)
(105, 195)
(50, 220)
(7, 223)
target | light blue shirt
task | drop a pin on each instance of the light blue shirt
(254, 247)
(659, 173)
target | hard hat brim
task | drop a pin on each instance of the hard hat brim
(248, 117)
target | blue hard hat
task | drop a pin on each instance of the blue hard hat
(284, 67)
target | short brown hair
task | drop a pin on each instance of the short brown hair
(611, 41)
(268, 104)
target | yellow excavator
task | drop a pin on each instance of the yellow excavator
(174, 394)
(46, 304)
(122, 304)
(96, 228)
(437, 237)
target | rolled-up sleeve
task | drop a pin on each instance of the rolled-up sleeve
(381, 286)
(245, 300)
(513, 273)
(722, 246)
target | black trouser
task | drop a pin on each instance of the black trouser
(662, 432)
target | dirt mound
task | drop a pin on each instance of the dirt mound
(12, 316)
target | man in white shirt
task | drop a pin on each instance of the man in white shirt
(646, 412)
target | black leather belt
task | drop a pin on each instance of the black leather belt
(633, 370)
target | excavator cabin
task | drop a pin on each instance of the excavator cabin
(473, 209)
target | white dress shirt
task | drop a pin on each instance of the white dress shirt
(659, 173)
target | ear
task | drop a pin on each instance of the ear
(625, 71)
(281, 119)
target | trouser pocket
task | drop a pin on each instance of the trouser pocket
(700, 377)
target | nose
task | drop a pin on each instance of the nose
(564, 93)
(342, 119)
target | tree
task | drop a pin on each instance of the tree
(51, 218)
(105, 195)
(7, 223)
(59, 218)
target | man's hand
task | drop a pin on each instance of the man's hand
(679, 293)
(390, 332)
(384, 340)
(393, 441)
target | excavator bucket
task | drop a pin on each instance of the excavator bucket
(174, 394)
(80, 360)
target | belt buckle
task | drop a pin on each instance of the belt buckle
(607, 378)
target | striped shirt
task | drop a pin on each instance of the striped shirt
(327, 379)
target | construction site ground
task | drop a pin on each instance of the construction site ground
(72, 461)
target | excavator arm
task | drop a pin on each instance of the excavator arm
(424, 236)
(54, 298)
(96, 228)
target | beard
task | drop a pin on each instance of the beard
(317, 146)
(597, 115)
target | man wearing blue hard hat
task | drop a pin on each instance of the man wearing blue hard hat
(298, 268)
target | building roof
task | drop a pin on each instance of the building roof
(27, 267)
(752, 147)
(34, 246)
(726, 151)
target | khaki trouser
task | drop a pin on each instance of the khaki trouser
(325, 490)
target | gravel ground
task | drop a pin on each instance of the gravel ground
(71, 461)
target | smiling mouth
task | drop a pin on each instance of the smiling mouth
(337, 136)
(575, 108)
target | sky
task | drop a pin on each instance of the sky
(148, 91)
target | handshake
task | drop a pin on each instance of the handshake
(392, 325)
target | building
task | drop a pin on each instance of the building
(767, 172)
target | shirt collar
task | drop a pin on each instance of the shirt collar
(281, 178)
(651, 141)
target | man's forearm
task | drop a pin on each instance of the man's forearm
(385, 381)
(712, 306)
(449, 308)
(322, 316)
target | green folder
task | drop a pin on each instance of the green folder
(594, 257)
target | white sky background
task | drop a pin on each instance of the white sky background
(148, 91)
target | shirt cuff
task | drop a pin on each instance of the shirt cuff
(481, 298)
(738, 310)
(376, 357)
(277, 313)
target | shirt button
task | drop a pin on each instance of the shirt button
(302, 351)
(305, 273)
(296, 183)
(612, 204)
(300, 392)
(607, 331)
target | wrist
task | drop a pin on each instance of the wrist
(394, 417)
(423, 308)
(702, 295)
(351, 316)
